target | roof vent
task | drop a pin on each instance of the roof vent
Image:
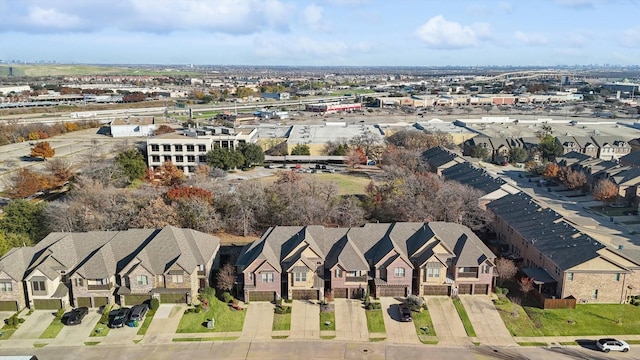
(620, 247)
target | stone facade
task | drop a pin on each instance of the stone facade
(16, 293)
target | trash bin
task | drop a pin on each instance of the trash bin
(135, 323)
(210, 324)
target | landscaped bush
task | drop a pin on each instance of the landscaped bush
(415, 301)
(154, 304)
(373, 306)
(59, 313)
(505, 291)
(226, 297)
(501, 301)
(498, 290)
(208, 293)
(282, 309)
(20, 320)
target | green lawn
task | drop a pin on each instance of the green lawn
(330, 317)
(52, 330)
(422, 319)
(281, 322)
(588, 319)
(7, 331)
(462, 312)
(375, 321)
(225, 319)
(101, 328)
(147, 321)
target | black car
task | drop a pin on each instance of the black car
(138, 312)
(75, 316)
(118, 318)
(405, 313)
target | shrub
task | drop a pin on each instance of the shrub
(59, 313)
(505, 291)
(414, 300)
(197, 309)
(208, 293)
(282, 309)
(498, 290)
(226, 297)
(373, 306)
(279, 302)
(154, 304)
(20, 320)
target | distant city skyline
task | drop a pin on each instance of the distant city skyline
(322, 32)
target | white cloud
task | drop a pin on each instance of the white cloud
(314, 18)
(52, 18)
(442, 34)
(631, 37)
(531, 38)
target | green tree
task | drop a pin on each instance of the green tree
(132, 164)
(480, 152)
(225, 159)
(24, 217)
(253, 154)
(301, 149)
(550, 148)
(11, 240)
(518, 155)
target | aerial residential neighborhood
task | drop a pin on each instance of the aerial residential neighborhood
(279, 179)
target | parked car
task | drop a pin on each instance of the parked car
(138, 312)
(607, 345)
(405, 313)
(75, 316)
(118, 318)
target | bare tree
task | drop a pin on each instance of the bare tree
(526, 284)
(226, 277)
(506, 269)
(573, 179)
(155, 216)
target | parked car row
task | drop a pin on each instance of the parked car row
(120, 317)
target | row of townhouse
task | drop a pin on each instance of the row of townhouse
(105, 267)
(625, 177)
(563, 261)
(599, 147)
(396, 259)
(188, 148)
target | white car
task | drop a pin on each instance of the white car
(607, 345)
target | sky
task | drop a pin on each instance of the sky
(323, 32)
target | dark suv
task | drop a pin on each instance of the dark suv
(75, 316)
(138, 312)
(118, 318)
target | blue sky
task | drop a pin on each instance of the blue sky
(323, 32)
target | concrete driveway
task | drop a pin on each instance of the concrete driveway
(122, 336)
(164, 324)
(447, 322)
(76, 335)
(305, 320)
(258, 322)
(397, 331)
(34, 324)
(351, 320)
(486, 321)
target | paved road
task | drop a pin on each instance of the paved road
(305, 320)
(486, 321)
(397, 331)
(259, 321)
(351, 320)
(446, 321)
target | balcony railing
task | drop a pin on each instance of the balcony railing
(200, 272)
(355, 279)
(100, 287)
(468, 274)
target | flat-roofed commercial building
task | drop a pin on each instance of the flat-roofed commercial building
(332, 107)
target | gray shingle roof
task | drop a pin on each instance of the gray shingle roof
(467, 174)
(16, 261)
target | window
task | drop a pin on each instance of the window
(433, 272)
(167, 158)
(191, 159)
(155, 147)
(202, 158)
(594, 294)
(78, 282)
(166, 147)
(250, 276)
(398, 272)
(202, 148)
(142, 280)
(177, 278)
(485, 269)
(616, 277)
(191, 148)
(155, 158)
(569, 276)
(6, 286)
(338, 273)
(179, 158)
(300, 276)
(267, 277)
(38, 286)
(178, 147)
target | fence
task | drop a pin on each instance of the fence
(546, 303)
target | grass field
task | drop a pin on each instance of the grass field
(375, 321)
(281, 322)
(585, 319)
(225, 319)
(331, 318)
(347, 184)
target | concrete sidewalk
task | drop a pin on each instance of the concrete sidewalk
(486, 321)
(446, 321)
